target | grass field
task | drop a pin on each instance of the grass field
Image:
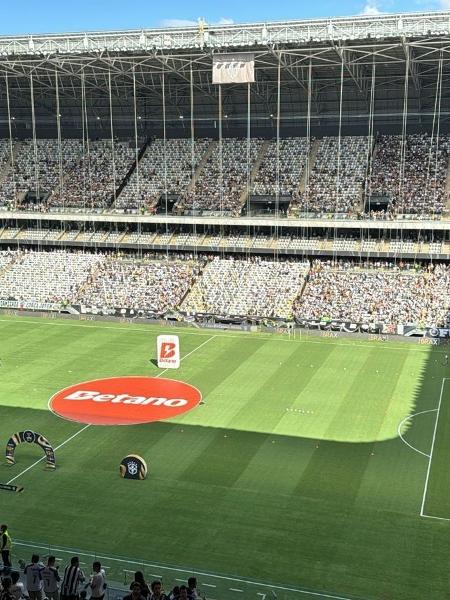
(292, 474)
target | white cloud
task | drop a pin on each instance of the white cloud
(192, 22)
(223, 21)
(371, 8)
(177, 23)
(445, 4)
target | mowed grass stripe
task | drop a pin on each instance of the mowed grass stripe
(276, 401)
(408, 375)
(34, 361)
(364, 405)
(277, 387)
(340, 389)
(394, 477)
(437, 493)
(319, 400)
(342, 466)
(213, 363)
(260, 387)
(244, 384)
(56, 361)
(226, 384)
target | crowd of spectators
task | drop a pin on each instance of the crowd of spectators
(5, 161)
(378, 292)
(6, 258)
(44, 580)
(153, 286)
(39, 168)
(247, 287)
(163, 167)
(411, 175)
(72, 174)
(224, 177)
(284, 161)
(337, 178)
(51, 277)
(348, 175)
(94, 179)
(374, 291)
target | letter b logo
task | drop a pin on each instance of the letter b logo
(167, 350)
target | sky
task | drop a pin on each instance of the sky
(47, 16)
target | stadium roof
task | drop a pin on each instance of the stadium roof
(319, 71)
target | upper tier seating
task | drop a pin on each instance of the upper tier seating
(149, 181)
(292, 153)
(224, 177)
(337, 177)
(418, 187)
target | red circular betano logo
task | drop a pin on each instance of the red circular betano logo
(124, 400)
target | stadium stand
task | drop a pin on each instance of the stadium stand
(372, 292)
(93, 182)
(412, 179)
(148, 183)
(337, 177)
(292, 154)
(223, 178)
(257, 287)
(385, 293)
(27, 277)
(37, 169)
(6, 257)
(71, 176)
(411, 176)
(154, 286)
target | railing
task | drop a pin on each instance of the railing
(417, 25)
(212, 586)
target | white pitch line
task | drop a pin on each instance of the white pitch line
(400, 425)
(89, 425)
(432, 449)
(211, 585)
(259, 336)
(437, 518)
(187, 571)
(43, 457)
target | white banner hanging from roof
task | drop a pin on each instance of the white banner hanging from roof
(233, 68)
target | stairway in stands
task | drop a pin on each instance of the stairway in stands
(132, 169)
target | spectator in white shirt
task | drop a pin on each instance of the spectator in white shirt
(97, 582)
(35, 584)
(51, 578)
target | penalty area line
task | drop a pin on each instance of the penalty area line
(89, 425)
(425, 490)
(433, 517)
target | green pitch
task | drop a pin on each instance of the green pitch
(292, 474)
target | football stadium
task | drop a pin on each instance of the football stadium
(225, 311)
